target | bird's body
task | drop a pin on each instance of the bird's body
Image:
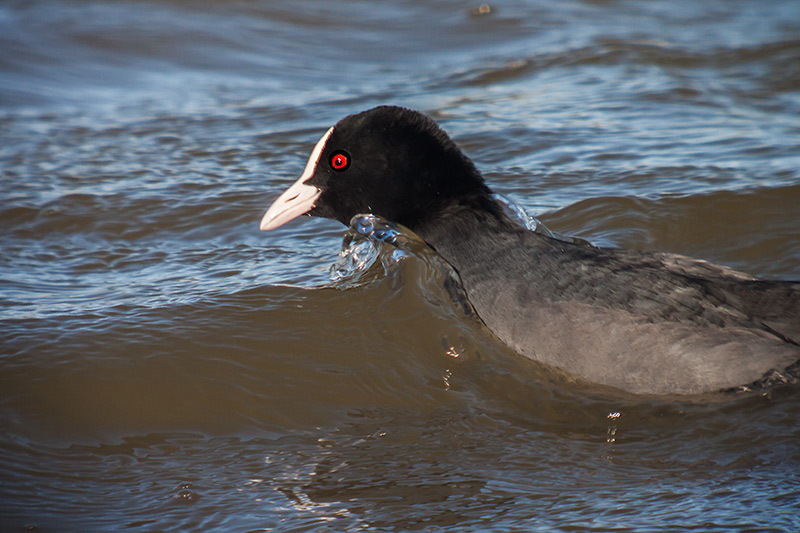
(643, 322)
(648, 323)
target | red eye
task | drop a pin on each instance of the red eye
(340, 160)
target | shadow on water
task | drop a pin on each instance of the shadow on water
(378, 404)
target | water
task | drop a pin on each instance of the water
(166, 366)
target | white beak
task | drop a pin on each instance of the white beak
(300, 198)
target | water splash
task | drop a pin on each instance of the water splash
(519, 214)
(368, 239)
(354, 258)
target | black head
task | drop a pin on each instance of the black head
(389, 161)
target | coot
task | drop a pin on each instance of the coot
(650, 323)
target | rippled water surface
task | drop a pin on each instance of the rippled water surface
(166, 366)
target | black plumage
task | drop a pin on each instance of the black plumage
(650, 323)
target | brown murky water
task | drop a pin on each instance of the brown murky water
(166, 366)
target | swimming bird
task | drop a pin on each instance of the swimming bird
(647, 323)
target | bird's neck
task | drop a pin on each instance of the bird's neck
(470, 232)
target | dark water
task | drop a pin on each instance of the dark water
(166, 366)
